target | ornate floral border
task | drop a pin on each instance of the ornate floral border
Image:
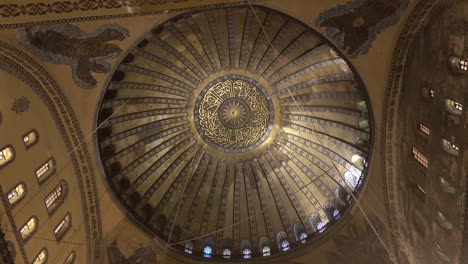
(48, 10)
(392, 93)
(22, 66)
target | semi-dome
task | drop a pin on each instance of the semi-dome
(234, 133)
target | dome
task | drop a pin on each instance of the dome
(235, 133)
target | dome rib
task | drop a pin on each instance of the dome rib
(290, 125)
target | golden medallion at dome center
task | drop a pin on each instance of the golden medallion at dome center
(234, 115)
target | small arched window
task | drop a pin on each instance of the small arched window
(443, 221)
(62, 228)
(29, 228)
(283, 243)
(351, 179)
(7, 155)
(449, 147)
(421, 158)
(316, 223)
(55, 198)
(336, 214)
(246, 249)
(446, 186)
(71, 258)
(30, 139)
(424, 129)
(208, 247)
(453, 107)
(207, 251)
(440, 253)
(264, 246)
(300, 233)
(16, 194)
(189, 247)
(226, 253)
(41, 257)
(331, 211)
(45, 170)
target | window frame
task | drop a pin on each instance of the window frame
(25, 239)
(13, 155)
(43, 178)
(37, 256)
(12, 205)
(30, 145)
(59, 200)
(60, 234)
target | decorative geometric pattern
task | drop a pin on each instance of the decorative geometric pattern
(200, 77)
(234, 115)
(20, 105)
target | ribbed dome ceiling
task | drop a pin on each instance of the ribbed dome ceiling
(209, 132)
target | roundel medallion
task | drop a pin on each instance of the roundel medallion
(234, 114)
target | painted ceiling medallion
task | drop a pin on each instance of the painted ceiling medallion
(233, 114)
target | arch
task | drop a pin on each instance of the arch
(45, 170)
(56, 196)
(189, 247)
(7, 155)
(283, 243)
(17, 194)
(246, 249)
(443, 221)
(454, 108)
(449, 147)
(62, 228)
(29, 228)
(300, 233)
(71, 258)
(30, 139)
(316, 222)
(264, 246)
(41, 258)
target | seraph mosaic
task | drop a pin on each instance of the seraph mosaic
(68, 44)
(354, 26)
